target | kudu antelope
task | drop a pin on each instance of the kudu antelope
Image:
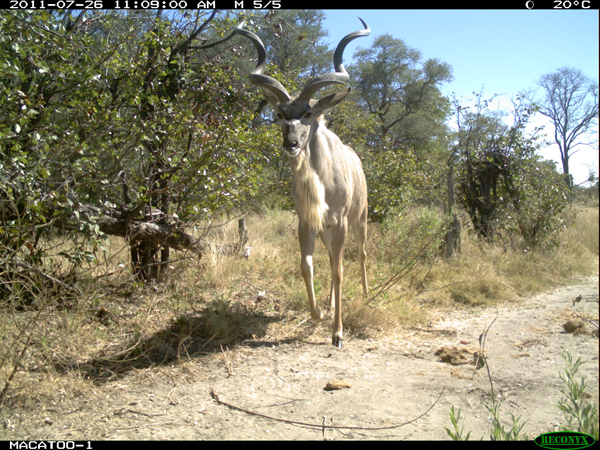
(328, 183)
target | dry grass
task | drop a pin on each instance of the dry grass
(118, 325)
(488, 273)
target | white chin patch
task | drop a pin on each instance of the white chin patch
(294, 151)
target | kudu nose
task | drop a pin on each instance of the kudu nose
(290, 136)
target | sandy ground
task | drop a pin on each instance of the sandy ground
(276, 390)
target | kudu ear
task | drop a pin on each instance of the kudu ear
(329, 102)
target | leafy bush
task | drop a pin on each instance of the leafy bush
(502, 183)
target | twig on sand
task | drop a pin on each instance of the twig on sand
(322, 426)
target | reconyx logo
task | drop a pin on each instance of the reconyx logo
(564, 439)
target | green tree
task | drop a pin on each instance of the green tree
(295, 42)
(408, 143)
(402, 91)
(113, 121)
(502, 183)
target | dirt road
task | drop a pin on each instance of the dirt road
(384, 383)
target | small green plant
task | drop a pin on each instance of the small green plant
(581, 416)
(458, 433)
(499, 433)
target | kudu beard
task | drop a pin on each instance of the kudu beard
(309, 192)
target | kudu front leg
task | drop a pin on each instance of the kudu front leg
(327, 238)
(334, 239)
(307, 246)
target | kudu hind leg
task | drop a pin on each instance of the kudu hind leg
(360, 234)
(338, 241)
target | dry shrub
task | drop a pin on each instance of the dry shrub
(584, 234)
(488, 272)
(360, 318)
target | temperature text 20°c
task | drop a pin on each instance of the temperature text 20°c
(567, 4)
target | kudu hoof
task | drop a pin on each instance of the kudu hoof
(318, 315)
(337, 342)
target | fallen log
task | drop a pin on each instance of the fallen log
(164, 235)
(119, 223)
(158, 234)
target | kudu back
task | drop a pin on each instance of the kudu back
(328, 183)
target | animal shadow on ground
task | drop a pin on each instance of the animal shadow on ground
(193, 335)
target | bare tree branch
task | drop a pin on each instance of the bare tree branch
(571, 103)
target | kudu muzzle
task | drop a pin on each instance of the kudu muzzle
(293, 137)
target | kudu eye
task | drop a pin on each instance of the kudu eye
(308, 115)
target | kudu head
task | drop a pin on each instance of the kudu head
(299, 116)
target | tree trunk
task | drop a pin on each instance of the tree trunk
(566, 174)
(453, 234)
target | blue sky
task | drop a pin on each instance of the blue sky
(499, 51)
